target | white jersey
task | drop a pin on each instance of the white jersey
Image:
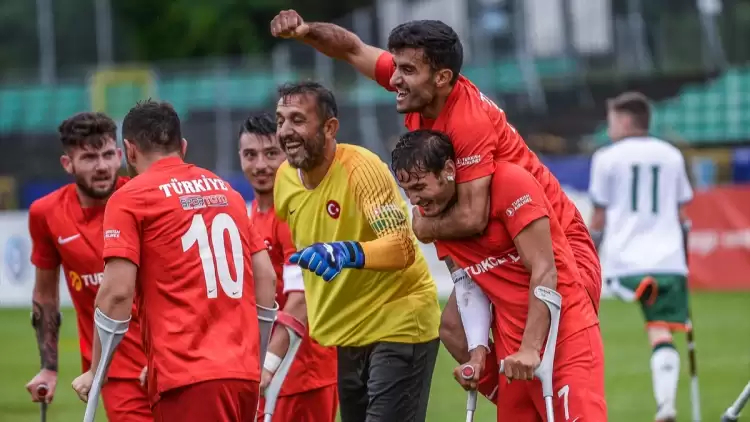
(641, 182)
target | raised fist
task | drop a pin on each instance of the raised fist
(289, 24)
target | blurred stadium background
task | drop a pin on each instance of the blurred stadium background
(551, 64)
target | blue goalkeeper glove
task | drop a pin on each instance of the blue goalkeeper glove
(328, 259)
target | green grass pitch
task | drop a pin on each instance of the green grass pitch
(722, 328)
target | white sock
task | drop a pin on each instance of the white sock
(665, 372)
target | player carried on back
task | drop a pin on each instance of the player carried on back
(524, 247)
(181, 237)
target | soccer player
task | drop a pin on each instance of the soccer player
(523, 247)
(181, 236)
(368, 289)
(423, 66)
(309, 390)
(66, 230)
(639, 187)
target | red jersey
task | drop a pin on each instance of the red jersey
(189, 234)
(492, 261)
(314, 366)
(482, 137)
(64, 233)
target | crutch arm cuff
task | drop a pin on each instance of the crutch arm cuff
(110, 325)
(289, 321)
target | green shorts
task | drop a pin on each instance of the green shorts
(663, 297)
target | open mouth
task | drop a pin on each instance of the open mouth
(293, 147)
(401, 94)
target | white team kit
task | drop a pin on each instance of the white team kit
(641, 181)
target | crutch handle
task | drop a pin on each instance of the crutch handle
(467, 372)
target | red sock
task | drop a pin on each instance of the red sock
(488, 383)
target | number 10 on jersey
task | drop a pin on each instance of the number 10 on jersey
(213, 254)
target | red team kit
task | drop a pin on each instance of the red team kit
(483, 139)
(309, 392)
(64, 233)
(179, 223)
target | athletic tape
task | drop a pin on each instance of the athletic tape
(271, 363)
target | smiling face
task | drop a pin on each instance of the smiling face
(301, 131)
(94, 169)
(434, 193)
(260, 158)
(414, 80)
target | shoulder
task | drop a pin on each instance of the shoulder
(51, 201)
(604, 152)
(506, 172)
(356, 159)
(286, 173)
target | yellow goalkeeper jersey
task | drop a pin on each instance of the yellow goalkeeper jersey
(358, 200)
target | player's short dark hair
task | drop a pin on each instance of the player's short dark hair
(636, 105)
(153, 126)
(323, 96)
(87, 129)
(422, 151)
(262, 124)
(439, 43)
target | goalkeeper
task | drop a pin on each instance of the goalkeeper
(368, 289)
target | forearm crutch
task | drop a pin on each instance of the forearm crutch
(553, 300)
(733, 412)
(110, 333)
(695, 395)
(467, 373)
(296, 331)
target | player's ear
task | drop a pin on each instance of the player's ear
(183, 147)
(67, 163)
(129, 150)
(443, 77)
(449, 170)
(331, 127)
(119, 154)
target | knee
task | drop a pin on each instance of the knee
(658, 334)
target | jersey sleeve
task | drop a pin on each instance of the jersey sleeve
(684, 189)
(377, 197)
(122, 228)
(284, 237)
(518, 200)
(256, 243)
(384, 69)
(44, 253)
(599, 180)
(475, 142)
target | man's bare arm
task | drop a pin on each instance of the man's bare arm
(46, 315)
(295, 306)
(331, 40)
(265, 279)
(468, 217)
(534, 245)
(452, 332)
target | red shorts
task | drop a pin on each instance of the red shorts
(587, 260)
(225, 400)
(319, 405)
(126, 401)
(578, 385)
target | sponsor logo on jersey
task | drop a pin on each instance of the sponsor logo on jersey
(111, 234)
(468, 161)
(79, 281)
(333, 209)
(192, 202)
(518, 203)
(490, 263)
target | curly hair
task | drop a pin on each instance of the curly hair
(87, 130)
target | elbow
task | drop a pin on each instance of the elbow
(476, 222)
(410, 249)
(545, 275)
